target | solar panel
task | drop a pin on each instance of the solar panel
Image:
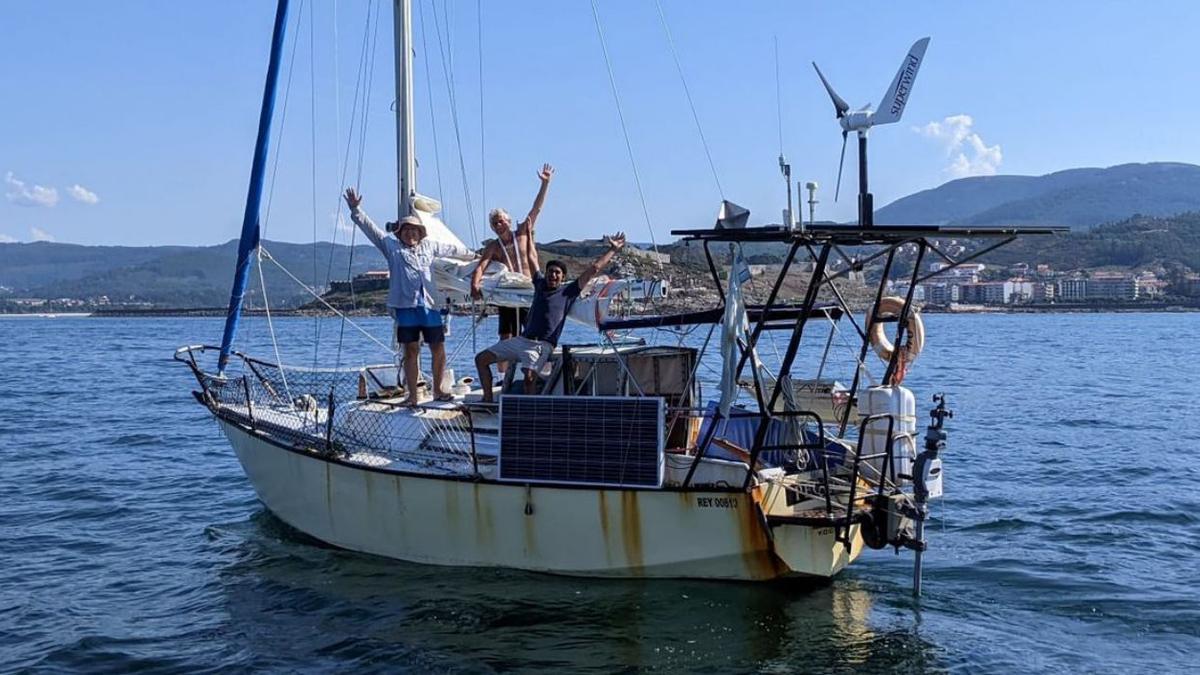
(587, 440)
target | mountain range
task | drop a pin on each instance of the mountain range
(1138, 202)
(1078, 198)
(176, 276)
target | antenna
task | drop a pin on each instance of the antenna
(811, 186)
(860, 121)
(786, 170)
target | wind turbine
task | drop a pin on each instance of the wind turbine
(860, 121)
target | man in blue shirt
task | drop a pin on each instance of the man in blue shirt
(412, 294)
(552, 301)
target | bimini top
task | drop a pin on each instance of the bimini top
(854, 234)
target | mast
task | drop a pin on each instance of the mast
(250, 228)
(406, 160)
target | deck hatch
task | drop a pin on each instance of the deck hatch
(588, 440)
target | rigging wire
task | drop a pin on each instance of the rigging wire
(482, 147)
(270, 325)
(448, 72)
(625, 131)
(366, 117)
(437, 153)
(482, 157)
(312, 91)
(358, 84)
(369, 64)
(778, 98)
(337, 137)
(267, 254)
(287, 90)
(695, 117)
(287, 94)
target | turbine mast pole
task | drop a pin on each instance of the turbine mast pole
(866, 205)
(406, 158)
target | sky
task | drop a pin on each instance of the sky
(132, 122)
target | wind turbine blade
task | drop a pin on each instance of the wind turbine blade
(892, 105)
(841, 106)
(838, 189)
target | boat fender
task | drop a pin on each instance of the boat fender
(915, 331)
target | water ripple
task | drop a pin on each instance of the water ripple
(130, 539)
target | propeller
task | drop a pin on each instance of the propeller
(838, 189)
(841, 106)
(890, 108)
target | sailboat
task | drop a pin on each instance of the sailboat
(618, 466)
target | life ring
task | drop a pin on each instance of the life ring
(915, 330)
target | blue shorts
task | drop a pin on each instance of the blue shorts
(416, 323)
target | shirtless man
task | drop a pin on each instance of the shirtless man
(516, 251)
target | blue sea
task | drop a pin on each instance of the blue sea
(1068, 541)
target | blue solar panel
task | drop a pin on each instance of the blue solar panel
(588, 440)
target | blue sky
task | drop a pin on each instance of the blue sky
(133, 122)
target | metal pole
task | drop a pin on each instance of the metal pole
(258, 170)
(922, 512)
(406, 159)
(866, 207)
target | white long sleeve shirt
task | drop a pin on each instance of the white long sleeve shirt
(410, 267)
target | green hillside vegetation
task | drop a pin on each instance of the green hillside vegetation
(40, 263)
(1171, 243)
(177, 277)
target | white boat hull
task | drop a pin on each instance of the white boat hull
(583, 531)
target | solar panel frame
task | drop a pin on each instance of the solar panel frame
(603, 441)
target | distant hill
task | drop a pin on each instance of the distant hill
(1078, 198)
(175, 276)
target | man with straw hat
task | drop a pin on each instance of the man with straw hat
(412, 294)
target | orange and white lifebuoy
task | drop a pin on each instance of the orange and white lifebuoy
(915, 330)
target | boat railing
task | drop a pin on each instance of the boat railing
(329, 411)
(326, 411)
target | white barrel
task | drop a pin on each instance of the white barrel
(902, 405)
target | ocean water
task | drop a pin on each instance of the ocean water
(1069, 538)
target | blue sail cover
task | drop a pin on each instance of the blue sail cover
(250, 226)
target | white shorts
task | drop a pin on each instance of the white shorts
(530, 354)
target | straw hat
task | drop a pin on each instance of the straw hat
(410, 221)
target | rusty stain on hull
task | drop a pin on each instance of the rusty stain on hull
(758, 551)
(692, 534)
(450, 504)
(329, 494)
(608, 542)
(631, 531)
(483, 518)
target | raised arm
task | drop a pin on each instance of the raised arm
(532, 257)
(615, 243)
(544, 175)
(364, 222)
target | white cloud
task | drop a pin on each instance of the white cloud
(28, 195)
(5, 239)
(82, 194)
(966, 150)
(38, 234)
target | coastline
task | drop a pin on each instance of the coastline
(1057, 308)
